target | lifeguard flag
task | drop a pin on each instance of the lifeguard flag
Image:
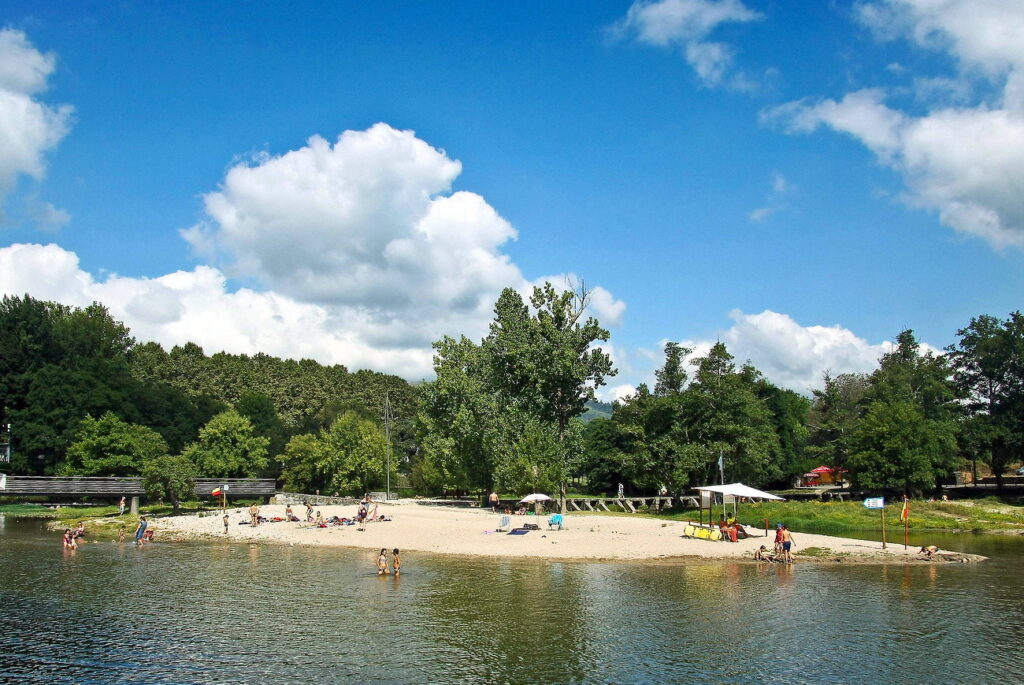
(905, 514)
(217, 492)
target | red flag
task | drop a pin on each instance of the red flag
(216, 492)
(905, 514)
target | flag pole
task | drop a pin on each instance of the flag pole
(906, 520)
(883, 525)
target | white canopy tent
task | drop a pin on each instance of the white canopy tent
(740, 490)
(734, 490)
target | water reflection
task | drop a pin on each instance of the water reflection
(231, 612)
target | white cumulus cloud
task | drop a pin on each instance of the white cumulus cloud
(367, 228)
(789, 354)
(965, 162)
(361, 255)
(688, 25)
(28, 127)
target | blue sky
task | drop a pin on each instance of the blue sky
(802, 180)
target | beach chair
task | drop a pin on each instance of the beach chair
(504, 523)
(554, 521)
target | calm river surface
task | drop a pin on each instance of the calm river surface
(211, 613)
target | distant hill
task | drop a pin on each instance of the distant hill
(597, 410)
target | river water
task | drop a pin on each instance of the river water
(234, 613)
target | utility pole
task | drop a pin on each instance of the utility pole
(387, 433)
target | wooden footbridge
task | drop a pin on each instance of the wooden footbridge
(37, 486)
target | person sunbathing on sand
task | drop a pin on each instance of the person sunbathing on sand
(929, 551)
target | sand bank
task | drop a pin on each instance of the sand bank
(463, 531)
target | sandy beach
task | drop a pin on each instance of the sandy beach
(467, 531)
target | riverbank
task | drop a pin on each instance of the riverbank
(472, 532)
(988, 515)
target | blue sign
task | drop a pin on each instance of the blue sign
(875, 503)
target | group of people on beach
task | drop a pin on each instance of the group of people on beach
(73, 536)
(731, 528)
(783, 552)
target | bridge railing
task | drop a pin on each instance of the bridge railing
(127, 486)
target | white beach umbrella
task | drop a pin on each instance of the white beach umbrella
(535, 497)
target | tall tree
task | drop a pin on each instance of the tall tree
(353, 455)
(170, 478)
(988, 369)
(672, 375)
(835, 414)
(108, 446)
(911, 392)
(228, 448)
(547, 362)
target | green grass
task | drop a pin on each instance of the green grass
(26, 510)
(836, 517)
(819, 552)
(103, 522)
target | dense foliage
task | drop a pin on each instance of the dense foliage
(506, 412)
(84, 398)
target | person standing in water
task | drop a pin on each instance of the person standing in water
(396, 562)
(141, 530)
(787, 545)
(382, 563)
(225, 524)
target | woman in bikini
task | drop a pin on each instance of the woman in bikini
(382, 563)
(69, 539)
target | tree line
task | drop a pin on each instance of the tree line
(504, 412)
(84, 398)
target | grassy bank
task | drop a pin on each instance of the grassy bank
(103, 522)
(984, 515)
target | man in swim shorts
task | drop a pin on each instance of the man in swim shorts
(787, 545)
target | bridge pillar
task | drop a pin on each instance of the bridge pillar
(135, 504)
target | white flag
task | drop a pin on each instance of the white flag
(3, 481)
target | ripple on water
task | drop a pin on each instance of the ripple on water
(230, 612)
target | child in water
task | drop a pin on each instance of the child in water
(396, 562)
(382, 563)
(69, 539)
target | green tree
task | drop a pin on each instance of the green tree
(301, 458)
(727, 420)
(169, 478)
(458, 412)
(911, 392)
(988, 370)
(672, 375)
(108, 446)
(228, 448)
(895, 447)
(546, 363)
(834, 416)
(353, 455)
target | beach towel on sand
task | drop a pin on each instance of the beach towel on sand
(518, 531)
